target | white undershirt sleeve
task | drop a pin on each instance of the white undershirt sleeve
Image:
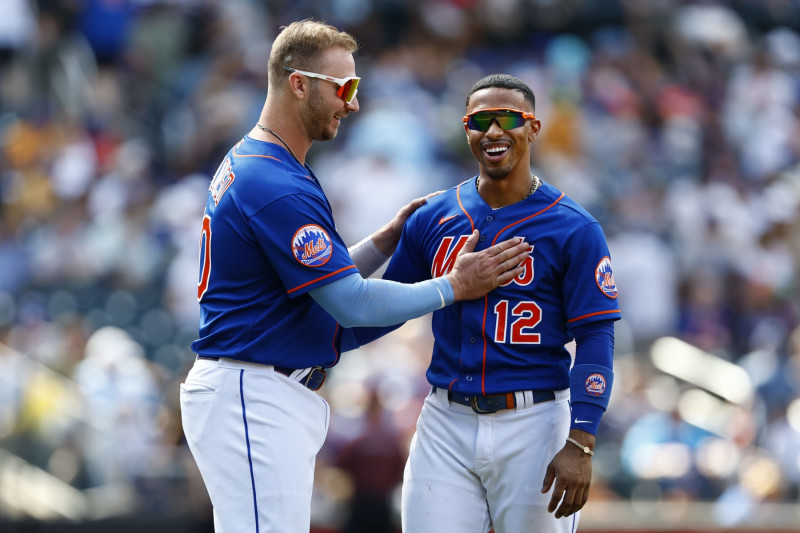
(367, 256)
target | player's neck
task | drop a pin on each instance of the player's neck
(275, 128)
(501, 192)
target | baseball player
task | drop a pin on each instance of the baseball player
(277, 286)
(498, 443)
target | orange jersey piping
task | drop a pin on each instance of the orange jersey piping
(610, 311)
(259, 155)
(251, 155)
(527, 218)
(306, 284)
(458, 197)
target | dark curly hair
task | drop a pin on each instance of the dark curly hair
(504, 81)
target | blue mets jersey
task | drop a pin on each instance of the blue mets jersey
(268, 237)
(512, 339)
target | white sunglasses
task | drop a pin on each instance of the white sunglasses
(348, 87)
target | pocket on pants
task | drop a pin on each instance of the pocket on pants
(197, 402)
(195, 387)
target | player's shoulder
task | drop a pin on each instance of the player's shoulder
(445, 199)
(264, 171)
(265, 162)
(565, 205)
(254, 175)
(445, 203)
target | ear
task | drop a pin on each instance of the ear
(298, 85)
(536, 126)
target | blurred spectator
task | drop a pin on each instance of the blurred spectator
(16, 28)
(106, 26)
(375, 463)
(122, 407)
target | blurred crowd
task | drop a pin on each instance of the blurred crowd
(676, 123)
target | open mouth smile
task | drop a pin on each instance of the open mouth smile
(495, 152)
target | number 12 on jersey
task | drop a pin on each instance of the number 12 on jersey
(523, 317)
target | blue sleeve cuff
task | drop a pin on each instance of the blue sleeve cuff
(586, 417)
(590, 389)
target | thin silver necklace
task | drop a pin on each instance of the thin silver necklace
(266, 129)
(535, 182)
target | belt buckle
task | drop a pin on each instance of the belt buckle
(473, 402)
(315, 378)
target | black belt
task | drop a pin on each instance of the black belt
(496, 402)
(313, 380)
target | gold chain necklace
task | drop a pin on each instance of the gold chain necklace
(535, 183)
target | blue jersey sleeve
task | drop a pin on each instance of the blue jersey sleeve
(592, 376)
(305, 249)
(590, 292)
(408, 263)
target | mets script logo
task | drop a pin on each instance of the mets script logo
(596, 384)
(312, 245)
(445, 258)
(605, 278)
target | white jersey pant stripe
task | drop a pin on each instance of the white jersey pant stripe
(254, 434)
(468, 472)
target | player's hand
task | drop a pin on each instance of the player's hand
(571, 469)
(388, 236)
(476, 273)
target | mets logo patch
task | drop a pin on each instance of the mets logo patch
(595, 384)
(312, 245)
(604, 277)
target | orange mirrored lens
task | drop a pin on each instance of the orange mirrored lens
(348, 91)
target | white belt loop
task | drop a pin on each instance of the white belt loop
(562, 395)
(524, 399)
(441, 395)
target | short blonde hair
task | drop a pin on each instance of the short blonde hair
(301, 45)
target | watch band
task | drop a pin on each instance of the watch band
(585, 449)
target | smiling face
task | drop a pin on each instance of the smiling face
(324, 109)
(501, 153)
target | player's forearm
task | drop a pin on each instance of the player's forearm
(356, 302)
(592, 375)
(367, 255)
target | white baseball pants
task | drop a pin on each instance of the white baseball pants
(468, 472)
(255, 435)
